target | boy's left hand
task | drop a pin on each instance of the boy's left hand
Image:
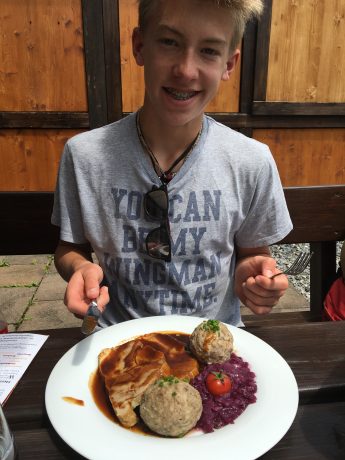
(253, 285)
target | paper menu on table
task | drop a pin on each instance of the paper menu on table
(17, 350)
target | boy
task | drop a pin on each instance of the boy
(178, 209)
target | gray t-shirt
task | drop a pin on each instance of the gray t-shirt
(227, 192)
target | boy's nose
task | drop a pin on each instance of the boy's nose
(186, 66)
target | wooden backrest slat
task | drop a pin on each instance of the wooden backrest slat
(317, 213)
(25, 226)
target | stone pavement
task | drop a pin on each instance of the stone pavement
(32, 292)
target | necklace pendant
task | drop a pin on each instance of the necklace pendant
(166, 177)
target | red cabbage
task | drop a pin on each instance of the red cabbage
(221, 410)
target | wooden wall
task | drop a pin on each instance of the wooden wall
(29, 158)
(42, 69)
(307, 51)
(66, 66)
(42, 57)
(304, 62)
(307, 156)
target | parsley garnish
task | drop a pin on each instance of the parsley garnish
(211, 325)
(169, 380)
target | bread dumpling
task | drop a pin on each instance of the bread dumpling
(211, 342)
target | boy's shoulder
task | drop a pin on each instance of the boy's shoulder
(120, 128)
(230, 137)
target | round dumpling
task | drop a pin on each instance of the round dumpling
(171, 407)
(211, 342)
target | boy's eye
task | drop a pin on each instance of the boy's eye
(168, 41)
(210, 51)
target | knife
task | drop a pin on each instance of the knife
(91, 318)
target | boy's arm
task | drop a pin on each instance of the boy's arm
(70, 257)
(253, 285)
(74, 263)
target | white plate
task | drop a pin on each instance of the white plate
(89, 432)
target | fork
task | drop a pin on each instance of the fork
(298, 266)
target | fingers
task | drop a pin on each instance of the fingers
(259, 310)
(279, 283)
(76, 302)
(254, 286)
(91, 282)
(83, 287)
(262, 294)
(268, 267)
(94, 291)
(79, 306)
(103, 298)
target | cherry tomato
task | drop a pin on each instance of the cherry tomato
(218, 383)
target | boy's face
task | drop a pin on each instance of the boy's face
(185, 52)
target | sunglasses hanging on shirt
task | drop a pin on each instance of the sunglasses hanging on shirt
(156, 206)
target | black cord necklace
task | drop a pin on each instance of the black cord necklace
(165, 176)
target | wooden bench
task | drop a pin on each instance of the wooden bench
(318, 215)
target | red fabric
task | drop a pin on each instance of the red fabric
(334, 304)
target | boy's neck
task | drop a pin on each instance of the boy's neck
(167, 142)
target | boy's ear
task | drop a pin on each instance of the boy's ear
(230, 64)
(137, 46)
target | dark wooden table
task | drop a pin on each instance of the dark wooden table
(314, 351)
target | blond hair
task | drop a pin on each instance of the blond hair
(242, 12)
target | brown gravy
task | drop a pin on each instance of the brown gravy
(71, 400)
(100, 395)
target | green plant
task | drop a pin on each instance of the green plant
(4, 263)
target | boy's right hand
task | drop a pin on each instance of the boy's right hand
(83, 287)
